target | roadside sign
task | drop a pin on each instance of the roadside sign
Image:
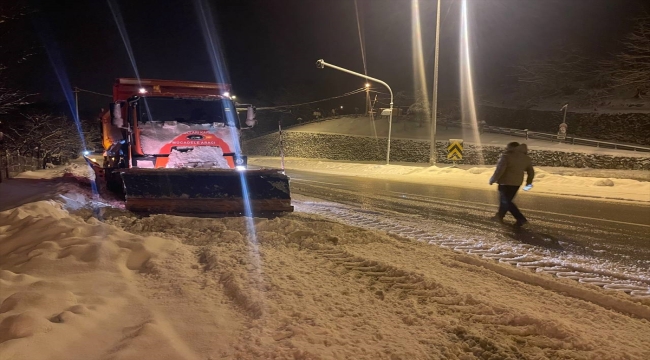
(455, 149)
(561, 134)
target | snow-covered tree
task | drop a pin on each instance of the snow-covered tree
(585, 79)
(420, 109)
(631, 67)
(47, 136)
(564, 73)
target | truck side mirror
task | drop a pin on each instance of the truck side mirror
(250, 117)
(116, 114)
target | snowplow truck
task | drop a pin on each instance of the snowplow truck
(173, 147)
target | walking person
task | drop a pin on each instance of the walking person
(481, 126)
(509, 175)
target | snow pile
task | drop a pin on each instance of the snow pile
(68, 290)
(296, 287)
(166, 287)
(599, 173)
(79, 170)
(58, 182)
(545, 181)
(198, 157)
(604, 182)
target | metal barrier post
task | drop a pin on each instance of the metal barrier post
(281, 145)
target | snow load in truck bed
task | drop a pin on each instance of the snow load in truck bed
(198, 157)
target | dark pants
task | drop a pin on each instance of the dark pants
(506, 195)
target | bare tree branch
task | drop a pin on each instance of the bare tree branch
(631, 67)
(563, 73)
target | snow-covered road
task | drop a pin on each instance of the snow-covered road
(526, 248)
(591, 240)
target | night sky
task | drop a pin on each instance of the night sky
(274, 44)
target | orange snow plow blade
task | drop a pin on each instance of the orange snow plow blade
(206, 191)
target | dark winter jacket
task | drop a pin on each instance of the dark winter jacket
(511, 166)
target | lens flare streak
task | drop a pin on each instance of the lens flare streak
(362, 46)
(213, 47)
(419, 73)
(52, 50)
(468, 104)
(119, 22)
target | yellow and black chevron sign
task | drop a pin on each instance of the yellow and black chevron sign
(455, 149)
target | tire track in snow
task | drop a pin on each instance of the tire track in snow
(394, 285)
(396, 225)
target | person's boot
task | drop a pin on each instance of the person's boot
(521, 223)
(498, 218)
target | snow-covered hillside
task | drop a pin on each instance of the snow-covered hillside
(362, 126)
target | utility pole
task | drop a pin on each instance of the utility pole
(434, 102)
(76, 103)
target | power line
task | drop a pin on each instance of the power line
(353, 92)
(378, 92)
(92, 92)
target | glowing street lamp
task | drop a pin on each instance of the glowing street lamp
(367, 98)
(321, 65)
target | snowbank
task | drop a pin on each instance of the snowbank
(295, 287)
(31, 186)
(546, 182)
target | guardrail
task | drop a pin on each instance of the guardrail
(568, 140)
(291, 124)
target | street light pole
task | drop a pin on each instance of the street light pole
(367, 111)
(321, 64)
(433, 156)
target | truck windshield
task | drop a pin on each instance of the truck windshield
(190, 111)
